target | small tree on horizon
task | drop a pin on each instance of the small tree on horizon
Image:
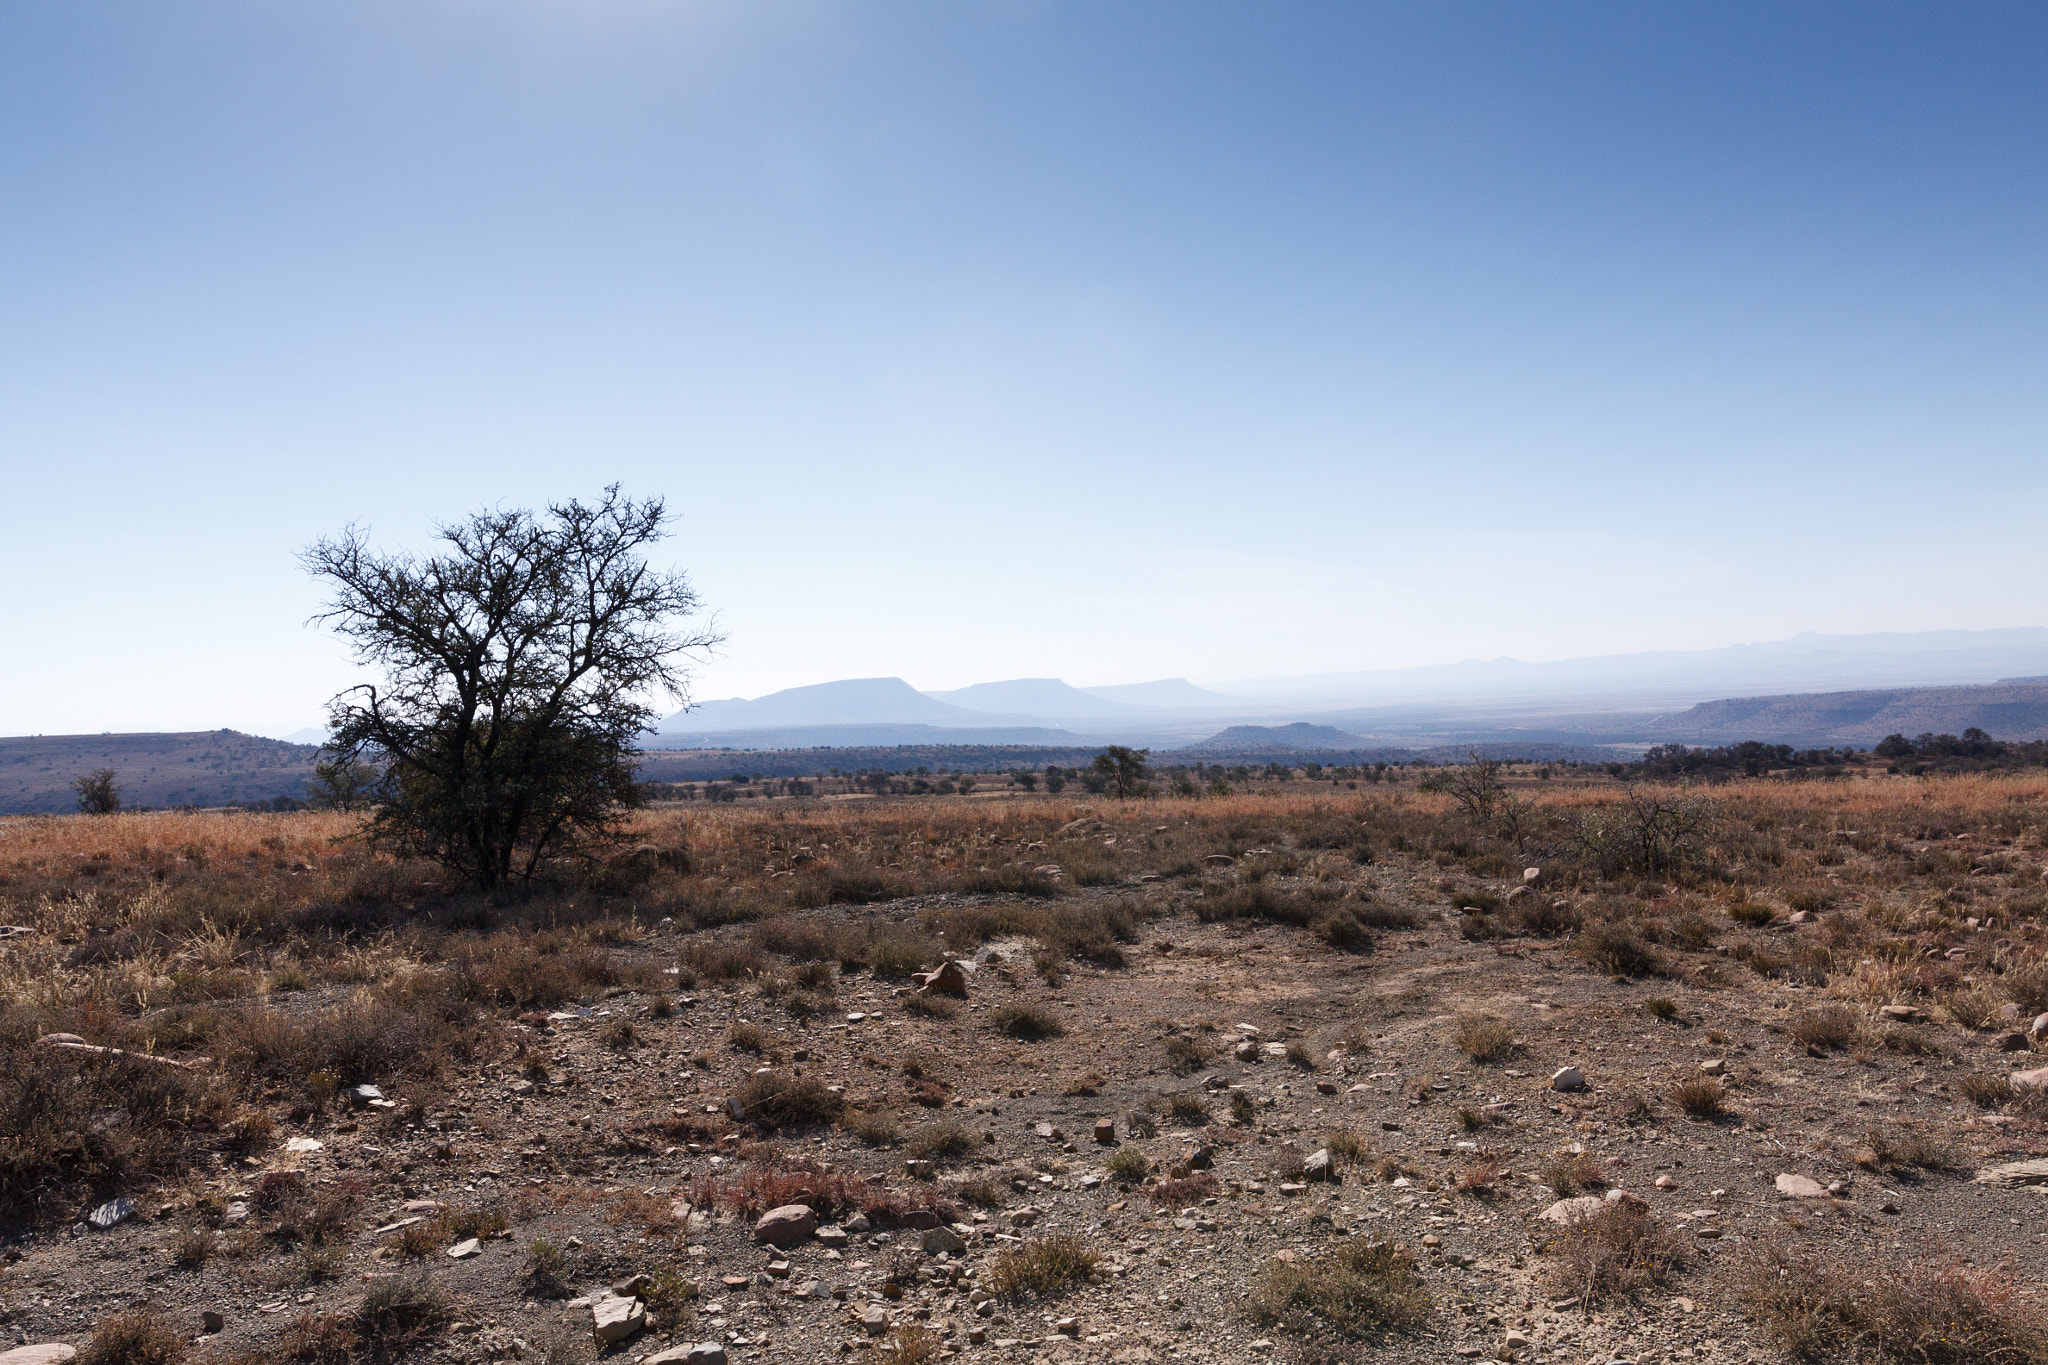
(518, 666)
(1123, 768)
(343, 784)
(97, 792)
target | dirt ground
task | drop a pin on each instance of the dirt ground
(1230, 1049)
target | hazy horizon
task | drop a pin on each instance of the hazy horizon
(992, 341)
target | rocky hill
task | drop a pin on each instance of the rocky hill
(202, 768)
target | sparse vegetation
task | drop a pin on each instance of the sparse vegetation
(1484, 1038)
(1822, 1307)
(1363, 1290)
(1044, 1267)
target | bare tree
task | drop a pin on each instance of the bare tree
(518, 666)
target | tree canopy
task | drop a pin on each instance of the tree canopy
(519, 666)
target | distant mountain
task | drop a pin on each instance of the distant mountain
(1804, 663)
(1174, 692)
(1034, 697)
(2003, 710)
(1295, 738)
(204, 768)
(853, 701)
(864, 737)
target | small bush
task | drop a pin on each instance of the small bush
(1188, 1110)
(1129, 1165)
(1141, 1123)
(669, 1294)
(947, 1141)
(316, 1339)
(1903, 1152)
(140, 1336)
(1185, 1054)
(1829, 1026)
(620, 1035)
(745, 1038)
(1619, 1250)
(1754, 915)
(931, 1006)
(396, 1314)
(192, 1247)
(1617, 949)
(1484, 1038)
(1662, 1006)
(783, 1099)
(1242, 1107)
(547, 1269)
(1701, 1097)
(1045, 1268)
(1574, 1174)
(1026, 1023)
(876, 1128)
(1363, 1290)
(1826, 1308)
(1986, 1092)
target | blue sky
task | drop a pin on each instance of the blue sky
(971, 341)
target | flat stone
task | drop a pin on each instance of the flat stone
(1800, 1187)
(1568, 1211)
(2029, 1080)
(43, 1353)
(1318, 1166)
(613, 1319)
(304, 1144)
(466, 1248)
(2013, 1173)
(702, 1353)
(788, 1226)
(1901, 1014)
(1714, 1066)
(832, 1237)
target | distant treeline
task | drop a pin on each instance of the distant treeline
(701, 765)
(1972, 751)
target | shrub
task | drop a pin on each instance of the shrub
(1141, 1123)
(192, 1247)
(1573, 1174)
(1901, 1152)
(140, 1336)
(1618, 1250)
(1986, 1092)
(1484, 1038)
(1188, 1109)
(744, 1038)
(1046, 1267)
(876, 1128)
(1829, 1026)
(1662, 1006)
(1242, 1107)
(931, 1006)
(1364, 1289)
(1185, 1054)
(783, 1099)
(898, 955)
(395, 1314)
(316, 1339)
(1754, 915)
(547, 1269)
(1129, 1165)
(1825, 1308)
(1027, 1023)
(1617, 949)
(1342, 930)
(947, 1141)
(669, 1294)
(1701, 1097)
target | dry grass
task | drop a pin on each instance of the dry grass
(1701, 1097)
(1821, 1307)
(1484, 1038)
(1026, 1023)
(1619, 1250)
(140, 1336)
(783, 1099)
(1829, 1027)
(1044, 1268)
(1575, 1173)
(1359, 1292)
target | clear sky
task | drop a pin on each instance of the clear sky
(977, 340)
